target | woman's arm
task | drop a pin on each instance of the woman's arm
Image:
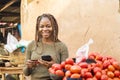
(28, 64)
(64, 53)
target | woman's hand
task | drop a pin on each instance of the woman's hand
(46, 63)
(30, 63)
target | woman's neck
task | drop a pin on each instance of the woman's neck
(47, 41)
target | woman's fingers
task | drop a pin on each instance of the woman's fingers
(47, 63)
(34, 63)
(30, 63)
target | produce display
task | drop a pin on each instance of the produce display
(96, 67)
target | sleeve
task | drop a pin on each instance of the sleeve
(26, 70)
(64, 53)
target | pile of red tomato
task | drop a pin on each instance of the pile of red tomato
(105, 68)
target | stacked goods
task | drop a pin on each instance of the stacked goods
(96, 67)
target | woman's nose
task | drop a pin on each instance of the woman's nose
(45, 28)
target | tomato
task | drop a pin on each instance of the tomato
(56, 66)
(67, 66)
(91, 57)
(90, 67)
(75, 75)
(99, 57)
(111, 68)
(88, 75)
(104, 72)
(69, 61)
(117, 73)
(110, 74)
(94, 78)
(116, 78)
(98, 75)
(68, 73)
(106, 63)
(93, 64)
(83, 65)
(51, 70)
(104, 59)
(63, 64)
(75, 69)
(64, 78)
(89, 79)
(83, 71)
(110, 79)
(99, 64)
(116, 65)
(112, 60)
(59, 73)
(96, 69)
(104, 77)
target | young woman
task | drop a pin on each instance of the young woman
(46, 43)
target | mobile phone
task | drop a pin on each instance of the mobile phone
(46, 57)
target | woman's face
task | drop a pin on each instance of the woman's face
(45, 28)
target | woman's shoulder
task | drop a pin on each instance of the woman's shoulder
(61, 44)
(32, 43)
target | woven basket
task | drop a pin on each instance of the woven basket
(17, 57)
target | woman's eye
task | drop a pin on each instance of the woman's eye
(48, 26)
(41, 26)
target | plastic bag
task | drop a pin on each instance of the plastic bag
(11, 43)
(83, 51)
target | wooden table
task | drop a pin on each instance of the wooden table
(11, 70)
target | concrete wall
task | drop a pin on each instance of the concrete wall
(79, 20)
